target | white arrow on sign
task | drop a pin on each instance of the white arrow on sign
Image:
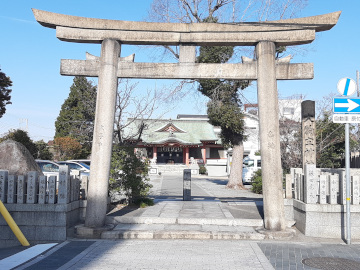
(351, 105)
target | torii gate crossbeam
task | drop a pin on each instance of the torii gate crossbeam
(265, 36)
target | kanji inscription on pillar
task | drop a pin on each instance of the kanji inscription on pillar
(311, 184)
(309, 139)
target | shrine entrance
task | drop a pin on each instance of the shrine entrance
(169, 155)
(265, 68)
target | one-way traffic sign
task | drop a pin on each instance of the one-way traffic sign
(346, 105)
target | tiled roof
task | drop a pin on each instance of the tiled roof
(187, 132)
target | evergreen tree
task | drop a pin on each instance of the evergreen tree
(77, 115)
(5, 91)
(224, 107)
(43, 151)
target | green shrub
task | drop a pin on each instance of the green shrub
(202, 170)
(129, 175)
(145, 202)
(257, 182)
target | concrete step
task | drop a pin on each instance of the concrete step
(177, 231)
(183, 221)
(173, 168)
(181, 231)
(189, 221)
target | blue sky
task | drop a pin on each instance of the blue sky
(30, 54)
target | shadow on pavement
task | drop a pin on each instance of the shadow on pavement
(222, 182)
(127, 210)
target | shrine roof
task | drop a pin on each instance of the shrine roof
(162, 131)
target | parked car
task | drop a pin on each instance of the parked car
(48, 167)
(81, 168)
(84, 161)
(251, 164)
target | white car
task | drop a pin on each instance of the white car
(251, 164)
(84, 161)
(48, 167)
(82, 168)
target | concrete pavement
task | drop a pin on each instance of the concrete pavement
(196, 254)
(214, 213)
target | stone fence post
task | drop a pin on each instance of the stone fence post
(35, 189)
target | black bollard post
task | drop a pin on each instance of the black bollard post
(187, 185)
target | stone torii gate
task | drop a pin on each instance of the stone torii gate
(265, 36)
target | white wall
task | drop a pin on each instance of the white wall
(290, 109)
(252, 144)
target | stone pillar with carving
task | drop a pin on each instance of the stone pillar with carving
(274, 216)
(308, 132)
(103, 135)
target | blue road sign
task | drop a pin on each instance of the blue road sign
(346, 105)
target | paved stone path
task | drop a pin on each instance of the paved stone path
(169, 186)
(214, 212)
(291, 255)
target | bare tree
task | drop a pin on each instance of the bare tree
(228, 11)
(225, 11)
(290, 143)
(290, 131)
(132, 105)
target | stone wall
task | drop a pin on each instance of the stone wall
(319, 202)
(44, 209)
(326, 221)
(216, 167)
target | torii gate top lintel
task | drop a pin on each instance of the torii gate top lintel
(318, 23)
(92, 30)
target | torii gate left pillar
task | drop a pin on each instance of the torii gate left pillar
(102, 138)
(270, 136)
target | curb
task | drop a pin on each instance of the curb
(124, 234)
(185, 221)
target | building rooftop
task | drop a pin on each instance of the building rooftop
(165, 131)
(192, 116)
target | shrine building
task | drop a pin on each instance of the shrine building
(178, 141)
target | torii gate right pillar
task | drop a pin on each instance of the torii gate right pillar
(270, 137)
